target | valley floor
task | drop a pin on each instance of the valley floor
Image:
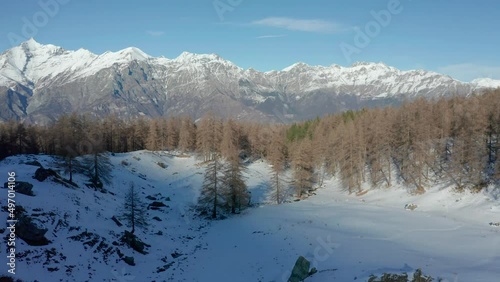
(346, 237)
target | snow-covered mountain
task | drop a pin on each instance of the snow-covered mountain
(39, 82)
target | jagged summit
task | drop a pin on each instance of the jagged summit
(134, 53)
(299, 65)
(203, 61)
(361, 63)
(187, 56)
(31, 43)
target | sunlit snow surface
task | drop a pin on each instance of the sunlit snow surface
(346, 237)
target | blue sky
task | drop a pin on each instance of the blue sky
(459, 38)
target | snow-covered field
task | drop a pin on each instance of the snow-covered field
(346, 237)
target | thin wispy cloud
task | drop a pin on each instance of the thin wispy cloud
(271, 36)
(308, 25)
(155, 33)
(470, 71)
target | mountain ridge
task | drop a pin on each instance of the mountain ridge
(38, 82)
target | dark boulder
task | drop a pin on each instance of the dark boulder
(34, 163)
(42, 173)
(176, 254)
(156, 205)
(31, 231)
(151, 198)
(22, 187)
(116, 221)
(129, 261)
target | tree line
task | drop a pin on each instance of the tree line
(422, 142)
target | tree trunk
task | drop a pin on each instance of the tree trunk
(214, 209)
(133, 212)
(71, 170)
(233, 196)
(96, 171)
(277, 188)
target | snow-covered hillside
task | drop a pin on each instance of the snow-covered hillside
(346, 237)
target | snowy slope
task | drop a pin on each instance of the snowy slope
(86, 210)
(349, 238)
(346, 237)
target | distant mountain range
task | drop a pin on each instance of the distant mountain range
(40, 82)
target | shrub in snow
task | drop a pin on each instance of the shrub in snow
(300, 270)
(135, 243)
(390, 277)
